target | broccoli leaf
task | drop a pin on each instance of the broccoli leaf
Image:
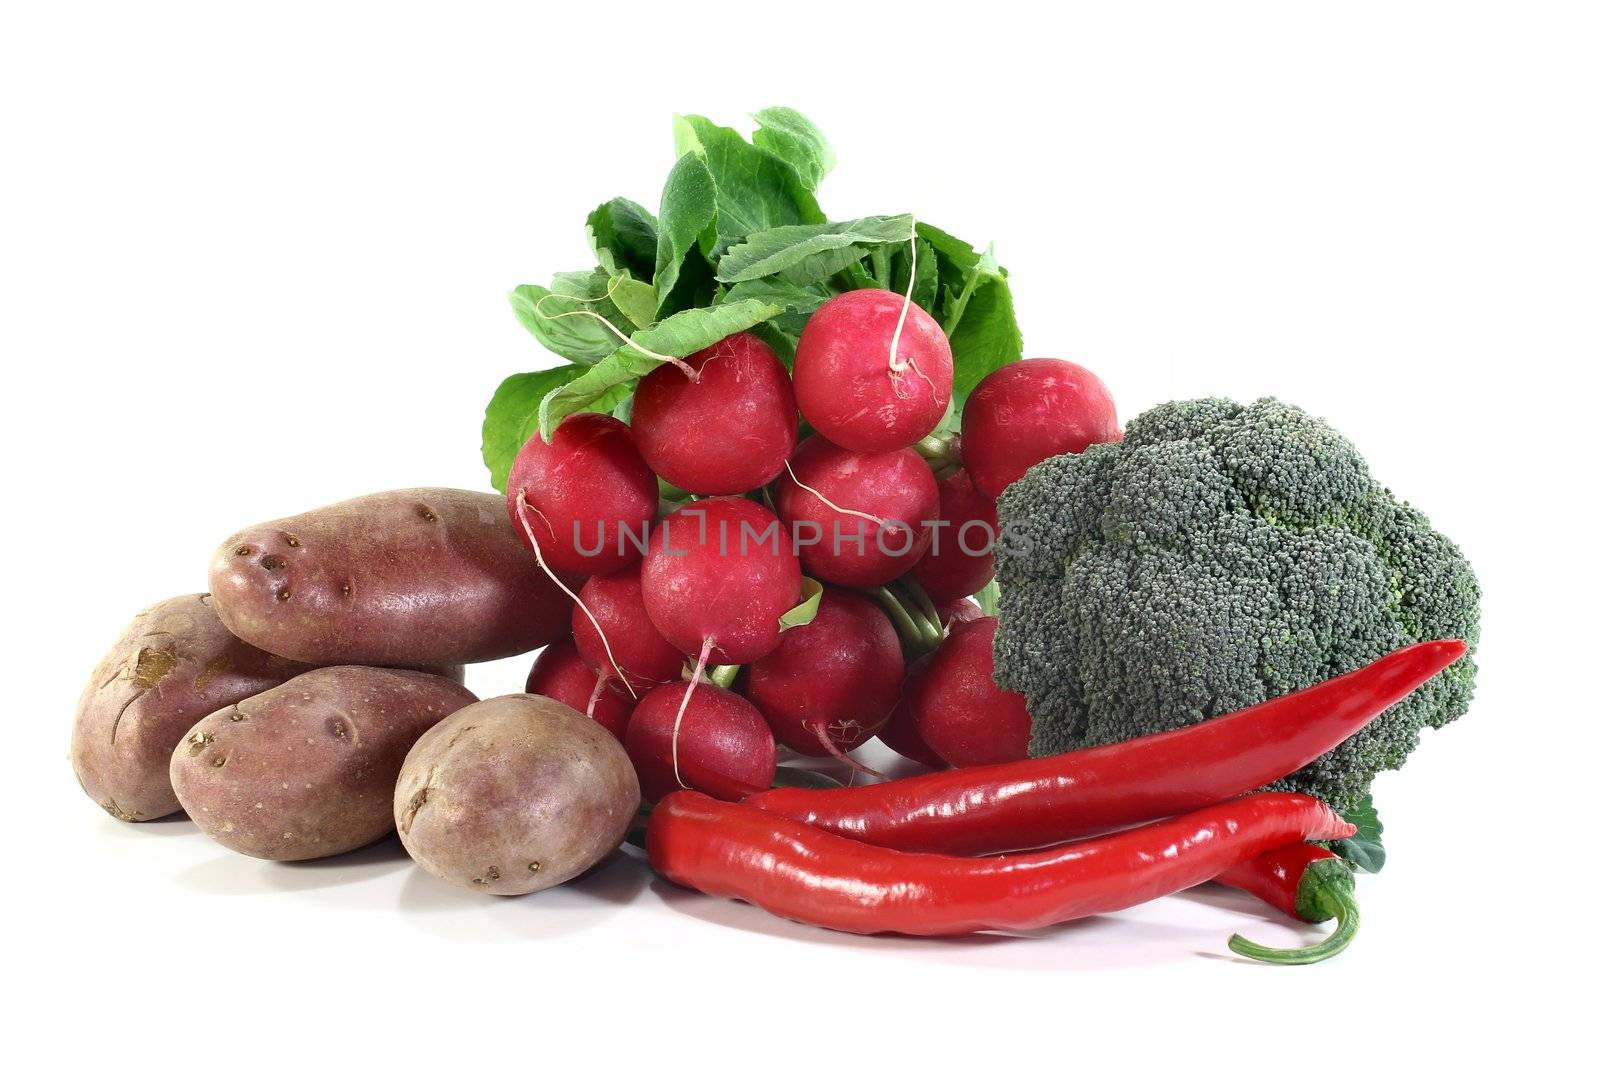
(604, 385)
(756, 190)
(582, 339)
(688, 214)
(623, 236)
(1365, 849)
(793, 138)
(788, 248)
(513, 416)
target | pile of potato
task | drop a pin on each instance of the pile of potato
(311, 702)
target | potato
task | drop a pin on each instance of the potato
(411, 577)
(174, 664)
(515, 794)
(308, 769)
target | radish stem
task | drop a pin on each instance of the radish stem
(538, 309)
(683, 706)
(523, 507)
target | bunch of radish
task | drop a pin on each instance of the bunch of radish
(762, 558)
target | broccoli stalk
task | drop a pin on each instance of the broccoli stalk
(1220, 555)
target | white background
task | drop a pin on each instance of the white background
(255, 260)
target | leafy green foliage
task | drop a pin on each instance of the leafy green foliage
(604, 385)
(788, 248)
(579, 339)
(512, 416)
(803, 613)
(623, 237)
(738, 243)
(797, 301)
(984, 334)
(756, 190)
(688, 215)
(793, 138)
(1365, 849)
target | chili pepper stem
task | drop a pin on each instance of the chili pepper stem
(1326, 892)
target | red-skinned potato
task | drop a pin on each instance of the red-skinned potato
(308, 769)
(174, 665)
(413, 577)
(514, 795)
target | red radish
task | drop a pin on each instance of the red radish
(900, 732)
(829, 685)
(953, 613)
(1029, 411)
(717, 576)
(960, 558)
(727, 430)
(872, 372)
(561, 674)
(958, 710)
(615, 607)
(858, 519)
(721, 746)
(586, 496)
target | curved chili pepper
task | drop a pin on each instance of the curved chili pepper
(1304, 882)
(803, 873)
(1037, 802)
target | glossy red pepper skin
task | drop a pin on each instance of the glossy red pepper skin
(1305, 882)
(1274, 877)
(1037, 802)
(809, 875)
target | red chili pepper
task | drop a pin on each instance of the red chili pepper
(810, 875)
(1304, 882)
(1037, 802)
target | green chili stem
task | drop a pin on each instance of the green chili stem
(1341, 904)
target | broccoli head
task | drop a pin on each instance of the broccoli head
(1219, 555)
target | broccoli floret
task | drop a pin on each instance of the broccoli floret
(1220, 555)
